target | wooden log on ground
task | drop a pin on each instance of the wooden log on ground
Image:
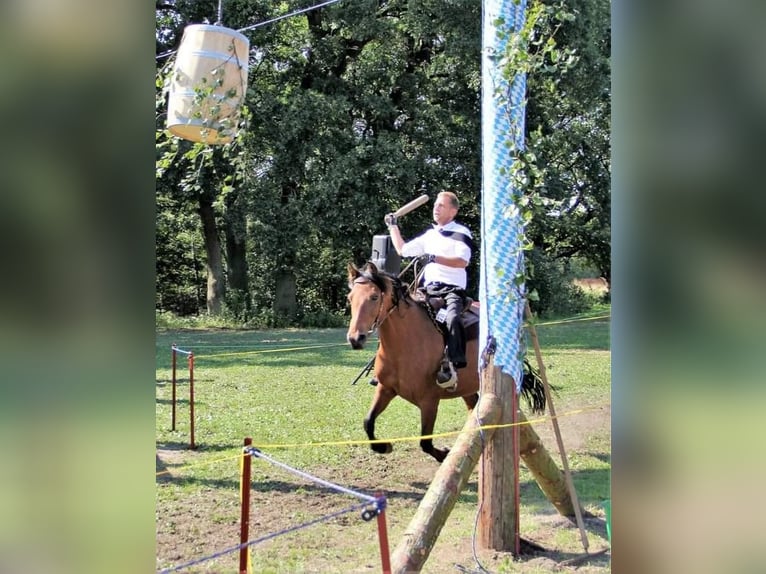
(544, 469)
(452, 476)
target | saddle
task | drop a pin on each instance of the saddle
(470, 316)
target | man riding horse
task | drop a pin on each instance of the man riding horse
(446, 247)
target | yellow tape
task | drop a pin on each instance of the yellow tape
(382, 440)
(420, 437)
(281, 350)
(573, 320)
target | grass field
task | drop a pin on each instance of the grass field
(291, 391)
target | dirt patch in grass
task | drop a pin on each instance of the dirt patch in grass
(198, 518)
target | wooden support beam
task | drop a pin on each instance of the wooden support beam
(498, 523)
(544, 469)
(452, 476)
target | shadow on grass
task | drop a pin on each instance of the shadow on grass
(178, 402)
(200, 447)
(592, 486)
(600, 557)
(275, 486)
(182, 382)
(602, 456)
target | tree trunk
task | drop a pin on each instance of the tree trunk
(214, 261)
(544, 469)
(236, 257)
(286, 302)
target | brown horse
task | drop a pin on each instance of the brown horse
(409, 352)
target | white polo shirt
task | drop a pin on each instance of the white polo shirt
(434, 242)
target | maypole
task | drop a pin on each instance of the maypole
(502, 270)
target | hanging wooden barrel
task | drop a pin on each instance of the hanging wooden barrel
(208, 84)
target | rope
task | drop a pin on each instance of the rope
(259, 24)
(301, 11)
(263, 538)
(177, 350)
(329, 345)
(379, 502)
(430, 436)
(573, 320)
(256, 452)
(219, 22)
(480, 429)
(259, 351)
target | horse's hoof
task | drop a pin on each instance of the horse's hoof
(383, 448)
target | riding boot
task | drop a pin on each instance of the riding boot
(455, 331)
(446, 376)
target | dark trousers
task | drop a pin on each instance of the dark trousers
(454, 298)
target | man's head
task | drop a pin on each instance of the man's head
(445, 207)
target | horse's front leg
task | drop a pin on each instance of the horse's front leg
(383, 396)
(428, 411)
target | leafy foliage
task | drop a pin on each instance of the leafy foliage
(555, 294)
(351, 111)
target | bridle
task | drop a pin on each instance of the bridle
(365, 278)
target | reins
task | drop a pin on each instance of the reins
(396, 294)
(376, 280)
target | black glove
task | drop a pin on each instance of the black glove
(426, 258)
(391, 220)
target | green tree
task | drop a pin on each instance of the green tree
(353, 110)
(568, 123)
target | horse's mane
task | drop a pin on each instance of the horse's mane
(382, 279)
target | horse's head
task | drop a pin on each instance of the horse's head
(367, 298)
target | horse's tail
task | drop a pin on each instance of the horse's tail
(532, 389)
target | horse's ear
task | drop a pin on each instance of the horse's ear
(353, 272)
(371, 268)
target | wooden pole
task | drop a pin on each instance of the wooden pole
(556, 429)
(497, 515)
(452, 476)
(191, 400)
(173, 407)
(385, 553)
(244, 495)
(515, 438)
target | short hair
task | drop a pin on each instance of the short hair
(452, 198)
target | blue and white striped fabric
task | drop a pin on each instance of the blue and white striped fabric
(501, 254)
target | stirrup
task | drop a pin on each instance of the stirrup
(446, 378)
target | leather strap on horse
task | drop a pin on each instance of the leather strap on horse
(431, 314)
(365, 277)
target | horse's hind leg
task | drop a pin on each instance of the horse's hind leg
(428, 413)
(383, 396)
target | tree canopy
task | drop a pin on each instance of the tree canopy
(352, 110)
